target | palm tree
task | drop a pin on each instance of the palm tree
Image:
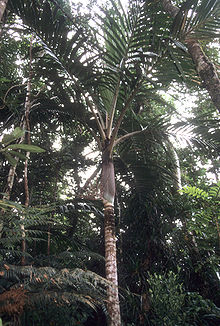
(197, 21)
(100, 74)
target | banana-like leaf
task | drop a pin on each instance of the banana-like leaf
(17, 154)
(27, 148)
(10, 159)
(8, 138)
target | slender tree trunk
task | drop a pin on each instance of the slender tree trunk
(3, 18)
(25, 125)
(28, 141)
(205, 68)
(176, 164)
(108, 194)
(54, 199)
(218, 229)
(9, 186)
(10, 181)
(3, 4)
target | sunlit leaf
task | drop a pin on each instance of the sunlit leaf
(17, 133)
(28, 148)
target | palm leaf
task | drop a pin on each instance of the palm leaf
(198, 19)
(126, 38)
(204, 133)
(53, 29)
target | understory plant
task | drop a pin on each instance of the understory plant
(172, 306)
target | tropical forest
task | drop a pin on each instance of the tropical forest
(109, 162)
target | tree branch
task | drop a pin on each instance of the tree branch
(95, 137)
(131, 134)
(112, 113)
(123, 112)
(6, 94)
(90, 105)
(89, 180)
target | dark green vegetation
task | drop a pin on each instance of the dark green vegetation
(65, 73)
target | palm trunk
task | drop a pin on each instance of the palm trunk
(108, 194)
(205, 68)
(111, 266)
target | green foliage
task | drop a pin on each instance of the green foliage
(195, 192)
(46, 283)
(35, 220)
(56, 314)
(14, 135)
(200, 310)
(28, 148)
(167, 299)
(207, 212)
(9, 150)
(58, 296)
(212, 194)
(156, 228)
(198, 19)
(172, 306)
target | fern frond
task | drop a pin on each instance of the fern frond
(65, 284)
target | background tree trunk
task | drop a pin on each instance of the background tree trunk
(3, 4)
(9, 186)
(28, 141)
(205, 68)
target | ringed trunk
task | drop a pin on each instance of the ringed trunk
(108, 195)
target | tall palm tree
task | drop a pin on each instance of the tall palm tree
(101, 74)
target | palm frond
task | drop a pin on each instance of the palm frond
(127, 56)
(198, 20)
(53, 30)
(204, 133)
